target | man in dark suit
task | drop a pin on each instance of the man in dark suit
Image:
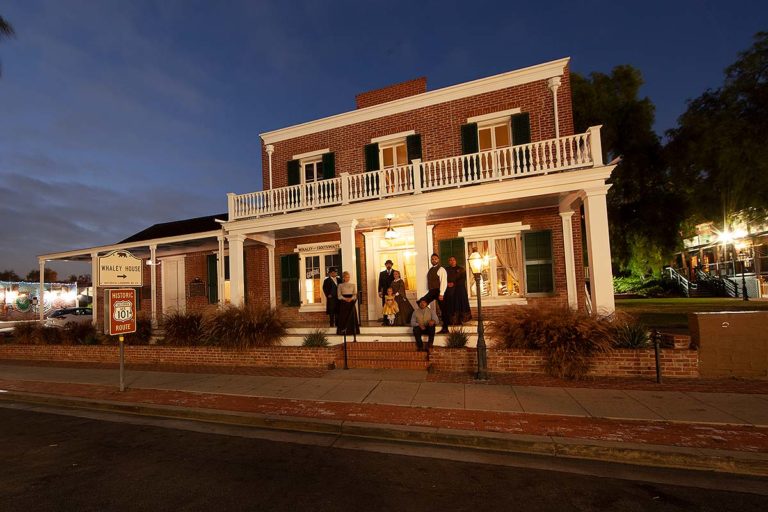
(386, 277)
(330, 290)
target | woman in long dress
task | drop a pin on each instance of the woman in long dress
(347, 319)
(403, 316)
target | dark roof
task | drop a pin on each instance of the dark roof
(177, 228)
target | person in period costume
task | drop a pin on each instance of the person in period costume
(423, 321)
(437, 283)
(405, 310)
(386, 277)
(456, 299)
(390, 308)
(347, 294)
(331, 292)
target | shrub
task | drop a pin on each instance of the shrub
(25, 333)
(629, 333)
(143, 331)
(184, 329)
(316, 338)
(77, 333)
(244, 327)
(457, 338)
(567, 339)
(46, 335)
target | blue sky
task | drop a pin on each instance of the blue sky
(118, 114)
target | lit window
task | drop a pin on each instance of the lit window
(502, 267)
(315, 270)
(493, 136)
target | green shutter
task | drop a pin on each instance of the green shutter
(294, 172)
(289, 280)
(329, 166)
(452, 247)
(371, 157)
(521, 129)
(537, 247)
(413, 147)
(213, 279)
(469, 138)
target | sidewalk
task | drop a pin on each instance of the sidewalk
(684, 429)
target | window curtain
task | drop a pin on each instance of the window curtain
(507, 257)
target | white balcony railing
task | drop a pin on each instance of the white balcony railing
(542, 157)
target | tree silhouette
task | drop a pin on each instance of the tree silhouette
(6, 32)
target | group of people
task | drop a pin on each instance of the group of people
(447, 287)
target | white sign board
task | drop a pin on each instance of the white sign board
(120, 268)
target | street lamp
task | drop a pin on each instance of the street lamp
(476, 264)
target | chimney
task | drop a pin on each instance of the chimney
(392, 92)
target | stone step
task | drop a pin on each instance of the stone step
(397, 364)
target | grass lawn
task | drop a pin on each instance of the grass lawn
(672, 314)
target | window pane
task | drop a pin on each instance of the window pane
(507, 267)
(312, 284)
(485, 275)
(387, 156)
(402, 155)
(502, 136)
(539, 278)
(484, 139)
(309, 173)
(319, 170)
(331, 260)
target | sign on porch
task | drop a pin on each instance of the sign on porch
(120, 268)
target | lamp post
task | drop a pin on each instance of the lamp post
(476, 264)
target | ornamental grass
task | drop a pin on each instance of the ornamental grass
(184, 329)
(243, 327)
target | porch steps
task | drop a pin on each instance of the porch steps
(400, 355)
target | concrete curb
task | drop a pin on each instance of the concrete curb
(703, 459)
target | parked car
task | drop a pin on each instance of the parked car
(61, 317)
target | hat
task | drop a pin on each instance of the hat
(332, 269)
(389, 261)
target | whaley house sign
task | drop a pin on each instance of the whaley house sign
(120, 268)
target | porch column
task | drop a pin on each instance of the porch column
(41, 291)
(570, 264)
(599, 250)
(236, 269)
(95, 287)
(423, 251)
(153, 281)
(347, 237)
(220, 272)
(271, 272)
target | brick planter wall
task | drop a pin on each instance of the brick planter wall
(286, 357)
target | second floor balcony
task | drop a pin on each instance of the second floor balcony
(562, 154)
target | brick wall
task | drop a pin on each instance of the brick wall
(439, 127)
(391, 92)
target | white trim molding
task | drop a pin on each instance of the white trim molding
(393, 137)
(492, 230)
(310, 154)
(453, 92)
(494, 116)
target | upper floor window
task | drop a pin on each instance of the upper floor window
(495, 131)
(493, 136)
(393, 154)
(313, 169)
(392, 151)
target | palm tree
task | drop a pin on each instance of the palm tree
(6, 31)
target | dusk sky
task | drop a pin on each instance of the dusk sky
(119, 114)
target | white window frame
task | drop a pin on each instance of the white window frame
(307, 251)
(492, 120)
(307, 161)
(392, 144)
(492, 127)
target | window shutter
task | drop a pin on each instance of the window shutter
(413, 147)
(521, 129)
(453, 247)
(329, 166)
(469, 138)
(289, 280)
(213, 279)
(372, 157)
(294, 172)
(537, 247)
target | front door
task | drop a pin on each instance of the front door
(174, 292)
(401, 251)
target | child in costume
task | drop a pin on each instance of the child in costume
(390, 307)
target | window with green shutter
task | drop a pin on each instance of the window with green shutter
(289, 280)
(537, 253)
(213, 279)
(329, 165)
(294, 172)
(469, 138)
(521, 129)
(413, 147)
(452, 247)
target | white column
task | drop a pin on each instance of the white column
(271, 272)
(153, 281)
(41, 291)
(570, 264)
(95, 287)
(236, 269)
(270, 149)
(599, 250)
(220, 272)
(423, 251)
(347, 237)
(554, 85)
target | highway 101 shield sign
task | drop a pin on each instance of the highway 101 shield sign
(120, 268)
(121, 311)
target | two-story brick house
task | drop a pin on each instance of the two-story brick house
(492, 165)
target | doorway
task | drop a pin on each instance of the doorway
(174, 291)
(401, 251)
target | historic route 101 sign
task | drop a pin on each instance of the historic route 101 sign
(121, 311)
(120, 268)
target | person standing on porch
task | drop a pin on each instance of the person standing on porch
(347, 319)
(456, 299)
(331, 292)
(386, 277)
(437, 283)
(423, 322)
(405, 310)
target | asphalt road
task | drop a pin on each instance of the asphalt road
(57, 462)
